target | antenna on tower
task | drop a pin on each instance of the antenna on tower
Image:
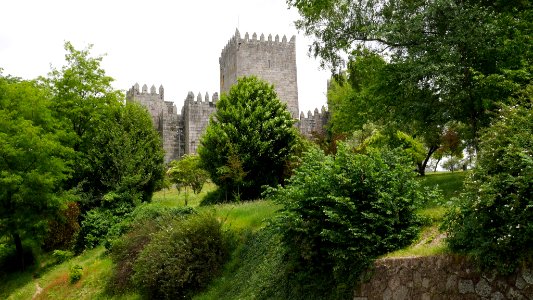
(238, 21)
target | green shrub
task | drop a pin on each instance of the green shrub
(62, 255)
(100, 225)
(341, 212)
(493, 220)
(147, 220)
(75, 273)
(181, 259)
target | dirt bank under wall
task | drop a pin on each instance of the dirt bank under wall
(441, 277)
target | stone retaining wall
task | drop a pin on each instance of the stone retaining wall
(441, 277)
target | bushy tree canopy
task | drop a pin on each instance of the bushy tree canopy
(341, 212)
(446, 59)
(33, 162)
(493, 221)
(249, 139)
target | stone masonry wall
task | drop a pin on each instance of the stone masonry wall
(313, 123)
(441, 277)
(195, 118)
(269, 59)
(164, 117)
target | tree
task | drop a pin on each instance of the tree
(187, 172)
(252, 124)
(368, 93)
(462, 55)
(118, 153)
(125, 159)
(33, 162)
(492, 221)
(82, 92)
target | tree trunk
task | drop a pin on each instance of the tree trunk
(423, 164)
(20, 251)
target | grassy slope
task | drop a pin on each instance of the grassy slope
(251, 271)
(97, 266)
(430, 241)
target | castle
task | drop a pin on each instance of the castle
(269, 59)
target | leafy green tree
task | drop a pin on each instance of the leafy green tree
(82, 93)
(187, 172)
(449, 59)
(340, 212)
(124, 167)
(125, 160)
(492, 221)
(252, 124)
(368, 93)
(33, 162)
(118, 154)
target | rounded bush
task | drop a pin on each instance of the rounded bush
(341, 212)
(181, 259)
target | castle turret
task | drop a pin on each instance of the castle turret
(273, 61)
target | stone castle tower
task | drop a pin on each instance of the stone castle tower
(271, 60)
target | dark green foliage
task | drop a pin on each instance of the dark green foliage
(34, 163)
(493, 221)
(248, 140)
(119, 157)
(181, 259)
(146, 220)
(101, 225)
(341, 212)
(127, 170)
(63, 230)
(130, 165)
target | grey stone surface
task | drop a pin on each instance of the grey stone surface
(483, 288)
(466, 286)
(273, 61)
(440, 277)
(527, 274)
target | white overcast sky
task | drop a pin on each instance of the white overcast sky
(173, 43)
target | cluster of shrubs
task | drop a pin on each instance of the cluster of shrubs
(340, 212)
(168, 254)
(492, 222)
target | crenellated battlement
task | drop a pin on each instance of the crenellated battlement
(201, 100)
(135, 91)
(236, 41)
(314, 122)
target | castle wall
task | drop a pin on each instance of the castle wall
(268, 59)
(196, 115)
(164, 117)
(313, 123)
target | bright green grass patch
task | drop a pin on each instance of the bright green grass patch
(172, 197)
(245, 215)
(435, 215)
(430, 242)
(54, 283)
(450, 184)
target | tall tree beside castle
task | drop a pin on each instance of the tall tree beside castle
(249, 139)
(271, 59)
